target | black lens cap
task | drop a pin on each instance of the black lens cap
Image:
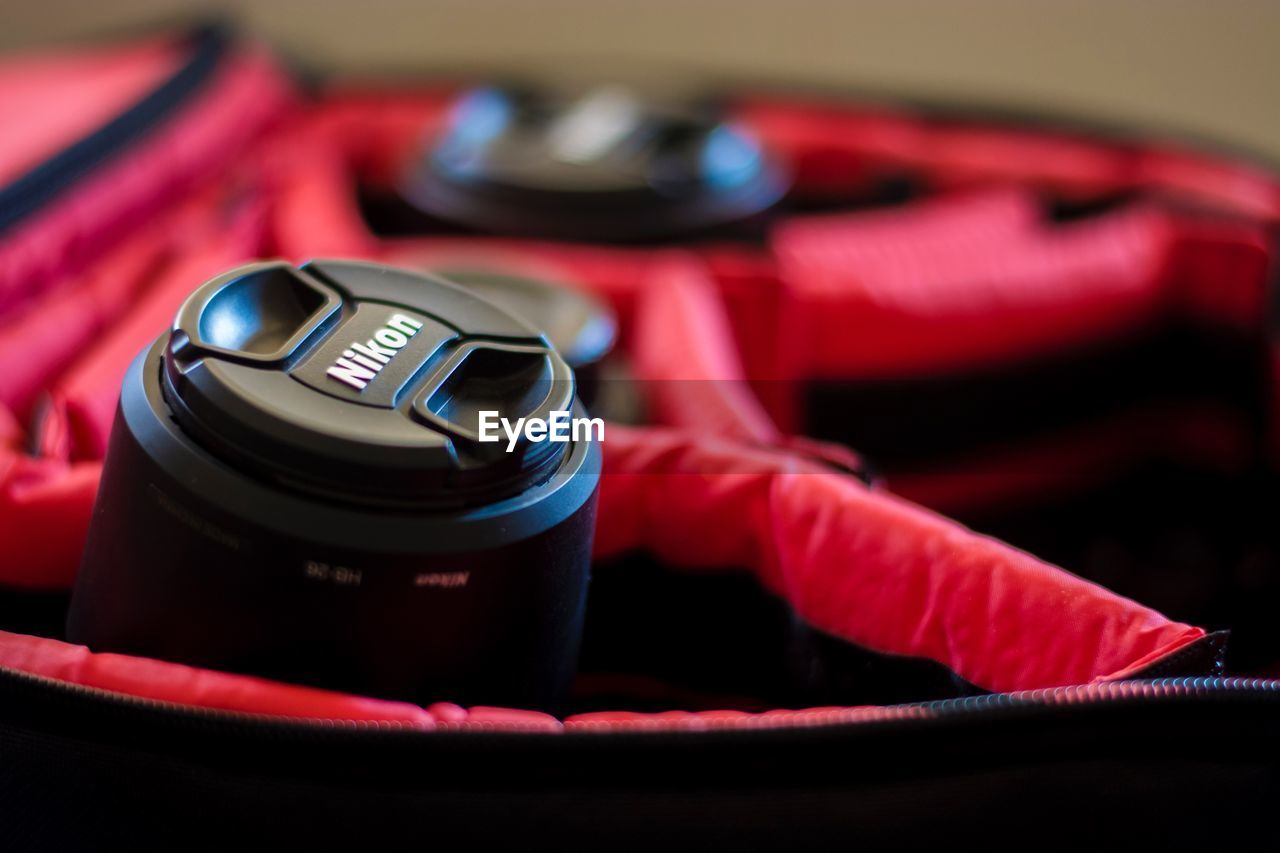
(602, 163)
(581, 328)
(364, 383)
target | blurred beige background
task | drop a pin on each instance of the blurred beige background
(1209, 67)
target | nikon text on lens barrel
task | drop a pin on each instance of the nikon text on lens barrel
(296, 477)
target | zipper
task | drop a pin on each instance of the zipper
(1167, 690)
(45, 182)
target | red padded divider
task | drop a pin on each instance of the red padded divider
(872, 568)
(858, 564)
(959, 283)
(685, 351)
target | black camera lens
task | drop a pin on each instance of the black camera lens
(321, 475)
(599, 163)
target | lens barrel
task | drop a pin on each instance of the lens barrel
(296, 487)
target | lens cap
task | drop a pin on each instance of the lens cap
(601, 163)
(363, 382)
(579, 326)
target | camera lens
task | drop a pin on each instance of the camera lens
(601, 163)
(303, 483)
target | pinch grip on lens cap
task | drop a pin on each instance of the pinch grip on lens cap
(260, 314)
(512, 381)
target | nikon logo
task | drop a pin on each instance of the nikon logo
(362, 362)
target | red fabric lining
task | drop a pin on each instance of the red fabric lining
(685, 357)
(833, 150)
(1219, 271)
(59, 97)
(82, 402)
(1069, 463)
(123, 195)
(964, 283)
(858, 564)
(684, 349)
(67, 319)
(1073, 167)
(696, 381)
(841, 149)
(1232, 187)
(44, 513)
(381, 130)
(765, 324)
(183, 686)
(868, 567)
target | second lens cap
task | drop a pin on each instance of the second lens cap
(601, 163)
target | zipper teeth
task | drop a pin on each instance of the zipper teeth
(47, 180)
(1085, 694)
